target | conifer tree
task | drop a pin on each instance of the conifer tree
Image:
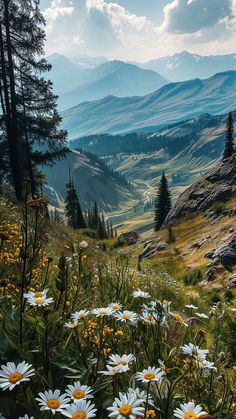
(80, 221)
(29, 123)
(163, 203)
(72, 207)
(229, 140)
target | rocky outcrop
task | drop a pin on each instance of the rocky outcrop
(129, 238)
(151, 248)
(218, 185)
(226, 254)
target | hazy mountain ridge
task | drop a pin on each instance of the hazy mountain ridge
(75, 83)
(171, 103)
(185, 66)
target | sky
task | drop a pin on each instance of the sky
(139, 30)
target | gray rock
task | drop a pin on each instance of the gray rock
(232, 283)
(152, 248)
(210, 275)
(129, 238)
(226, 254)
(218, 185)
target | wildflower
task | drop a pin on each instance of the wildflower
(180, 319)
(102, 312)
(142, 394)
(115, 306)
(72, 324)
(53, 401)
(37, 203)
(40, 301)
(121, 360)
(140, 294)
(12, 374)
(150, 318)
(126, 406)
(79, 392)
(80, 315)
(83, 244)
(188, 411)
(127, 316)
(114, 370)
(163, 366)
(82, 409)
(150, 374)
(165, 305)
(22, 417)
(36, 294)
(204, 364)
(194, 350)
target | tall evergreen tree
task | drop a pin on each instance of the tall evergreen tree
(163, 203)
(29, 123)
(72, 207)
(229, 140)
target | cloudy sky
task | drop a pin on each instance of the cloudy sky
(139, 29)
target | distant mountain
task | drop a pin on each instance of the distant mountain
(186, 66)
(113, 78)
(76, 83)
(93, 182)
(171, 103)
(89, 62)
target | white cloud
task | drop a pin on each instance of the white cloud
(57, 10)
(189, 16)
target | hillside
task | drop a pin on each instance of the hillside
(171, 103)
(186, 66)
(91, 181)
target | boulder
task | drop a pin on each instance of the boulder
(232, 283)
(226, 254)
(218, 185)
(152, 248)
(129, 238)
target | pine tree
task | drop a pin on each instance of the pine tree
(229, 140)
(80, 221)
(72, 207)
(163, 203)
(95, 216)
(29, 123)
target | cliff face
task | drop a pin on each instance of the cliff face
(218, 185)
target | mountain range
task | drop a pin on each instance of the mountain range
(171, 103)
(75, 83)
(186, 66)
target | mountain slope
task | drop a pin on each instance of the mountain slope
(112, 78)
(186, 66)
(171, 103)
(92, 183)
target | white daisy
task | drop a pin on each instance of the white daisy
(114, 369)
(80, 315)
(127, 317)
(165, 305)
(150, 374)
(78, 391)
(121, 360)
(102, 312)
(149, 317)
(188, 411)
(141, 395)
(204, 364)
(115, 306)
(36, 294)
(126, 406)
(71, 324)
(141, 294)
(83, 244)
(23, 417)
(194, 350)
(11, 374)
(81, 409)
(41, 301)
(53, 401)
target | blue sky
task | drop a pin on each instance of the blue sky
(139, 29)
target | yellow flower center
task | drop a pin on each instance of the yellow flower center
(38, 294)
(71, 325)
(78, 394)
(103, 313)
(39, 302)
(15, 377)
(53, 404)
(165, 302)
(115, 307)
(149, 376)
(190, 415)
(81, 316)
(79, 415)
(125, 410)
(123, 363)
(126, 317)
